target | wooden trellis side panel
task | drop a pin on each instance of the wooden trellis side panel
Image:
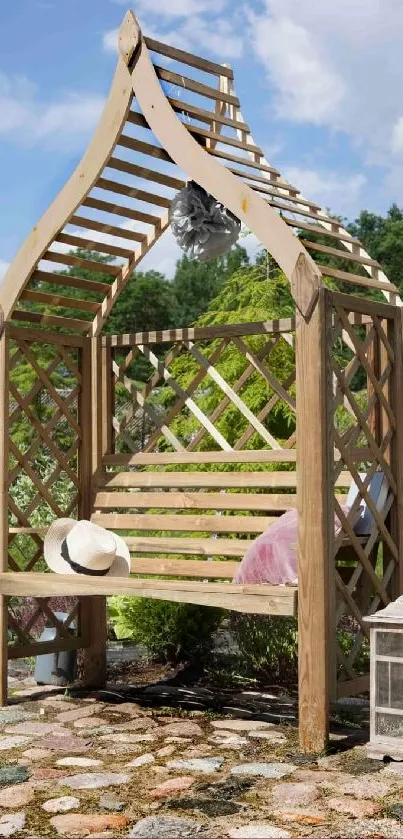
(366, 428)
(47, 472)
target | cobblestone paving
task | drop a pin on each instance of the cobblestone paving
(86, 767)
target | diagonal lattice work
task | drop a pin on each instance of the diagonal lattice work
(364, 359)
(45, 386)
(223, 391)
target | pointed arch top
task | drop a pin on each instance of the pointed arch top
(170, 115)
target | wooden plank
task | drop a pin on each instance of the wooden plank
(103, 227)
(171, 458)
(223, 139)
(4, 452)
(316, 604)
(89, 244)
(48, 584)
(52, 320)
(59, 301)
(343, 254)
(357, 279)
(203, 115)
(394, 336)
(120, 210)
(44, 647)
(322, 231)
(43, 336)
(196, 87)
(208, 524)
(199, 333)
(264, 480)
(144, 172)
(81, 262)
(196, 501)
(183, 545)
(133, 192)
(244, 161)
(144, 148)
(68, 281)
(184, 567)
(188, 58)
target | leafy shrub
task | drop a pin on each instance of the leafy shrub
(172, 632)
(268, 647)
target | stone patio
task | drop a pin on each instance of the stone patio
(94, 765)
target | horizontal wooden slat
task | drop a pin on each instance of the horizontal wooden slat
(183, 545)
(204, 115)
(207, 524)
(45, 647)
(223, 139)
(89, 244)
(171, 458)
(59, 301)
(274, 190)
(104, 227)
(80, 262)
(364, 306)
(322, 231)
(195, 501)
(198, 333)
(120, 210)
(67, 280)
(254, 599)
(144, 172)
(185, 568)
(343, 254)
(298, 211)
(188, 58)
(196, 87)
(43, 336)
(52, 320)
(144, 148)
(357, 279)
(245, 161)
(132, 192)
(278, 183)
(265, 480)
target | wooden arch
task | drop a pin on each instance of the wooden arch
(146, 134)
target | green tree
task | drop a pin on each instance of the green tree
(196, 283)
(382, 236)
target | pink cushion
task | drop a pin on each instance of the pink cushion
(272, 557)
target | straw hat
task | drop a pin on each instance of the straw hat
(81, 547)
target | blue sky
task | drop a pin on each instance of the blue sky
(320, 84)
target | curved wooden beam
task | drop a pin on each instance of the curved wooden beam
(250, 208)
(73, 193)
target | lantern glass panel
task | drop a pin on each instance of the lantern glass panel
(382, 684)
(396, 685)
(389, 725)
(389, 643)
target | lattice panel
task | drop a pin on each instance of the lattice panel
(44, 444)
(363, 427)
(227, 393)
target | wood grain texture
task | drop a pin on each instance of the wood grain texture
(316, 587)
(4, 441)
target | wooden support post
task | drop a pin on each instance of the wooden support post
(93, 609)
(316, 585)
(4, 394)
(395, 337)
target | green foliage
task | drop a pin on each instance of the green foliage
(172, 632)
(382, 236)
(268, 647)
(195, 283)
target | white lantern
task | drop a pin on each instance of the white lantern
(386, 687)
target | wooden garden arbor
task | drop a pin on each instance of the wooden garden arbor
(172, 116)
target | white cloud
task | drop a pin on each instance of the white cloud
(397, 136)
(330, 189)
(26, 119)
(219, 37)
(110, 40)
(3, 268)
(337, 65)
(307, 88)
(175, 8)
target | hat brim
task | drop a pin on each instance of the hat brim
(56, 534)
